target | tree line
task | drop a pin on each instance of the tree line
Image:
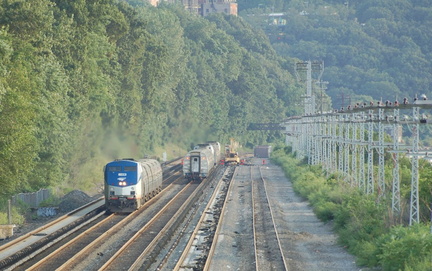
(83, 82)
(372, 49)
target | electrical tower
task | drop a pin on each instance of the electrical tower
(306, 72)
(341, 140)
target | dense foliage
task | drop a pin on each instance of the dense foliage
(372, 49)
(86, 81)
(364, 223)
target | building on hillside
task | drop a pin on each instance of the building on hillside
(193, 6)
(218, 6)
(205, 7)
(153, 2)
(277, 19)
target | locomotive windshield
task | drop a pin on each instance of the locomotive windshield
(130, 168)
(114, 169)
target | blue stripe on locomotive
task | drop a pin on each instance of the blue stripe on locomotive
(118, 172)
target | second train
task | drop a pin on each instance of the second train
(199, 162)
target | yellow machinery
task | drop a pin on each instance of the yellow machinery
(231, 155)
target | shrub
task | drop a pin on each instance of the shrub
(405, 246)
(366, 253)
(17, 218)
(326, 211)
(361, 221)
(422, 265)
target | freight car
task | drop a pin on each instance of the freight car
(262, 151)
(198, 163)
(129, 183)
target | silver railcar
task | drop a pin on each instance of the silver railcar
(198, 163)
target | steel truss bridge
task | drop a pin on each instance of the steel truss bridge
(341, 142)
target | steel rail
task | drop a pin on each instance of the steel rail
(260, 202)
(273, 222)
(143, 229)
(38, 240)
(48, 235)
(198, 227)
(67, 265)
(37, 265)
(49, 224)
(219, 226)
(253, 219)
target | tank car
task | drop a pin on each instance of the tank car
(198, 163)
(129, 183)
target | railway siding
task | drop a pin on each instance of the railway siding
(307, 243)
(235, 243)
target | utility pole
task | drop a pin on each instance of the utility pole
(343, 97)
(9, 212)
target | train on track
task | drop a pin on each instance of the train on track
(199, 162)
(128, 183)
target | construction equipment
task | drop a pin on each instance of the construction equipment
(231, 155)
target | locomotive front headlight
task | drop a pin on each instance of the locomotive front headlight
(122, 183)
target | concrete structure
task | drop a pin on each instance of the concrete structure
(6, 231)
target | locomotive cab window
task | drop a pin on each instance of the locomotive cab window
(132, 168)
(114, 169)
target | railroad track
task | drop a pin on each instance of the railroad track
(98, 243)
(27, 246)
(126, 242)
(135, 252)
(200, 248)
(267, 245)
(42, 246)
(52, 260)
(268, 253)
(105, 241)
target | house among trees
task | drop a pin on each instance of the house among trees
(206, 7)
(218, 6)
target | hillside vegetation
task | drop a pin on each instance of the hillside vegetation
(83, 82)
(372, 49)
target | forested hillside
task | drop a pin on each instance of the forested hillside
(83, 82)
(372, 49)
